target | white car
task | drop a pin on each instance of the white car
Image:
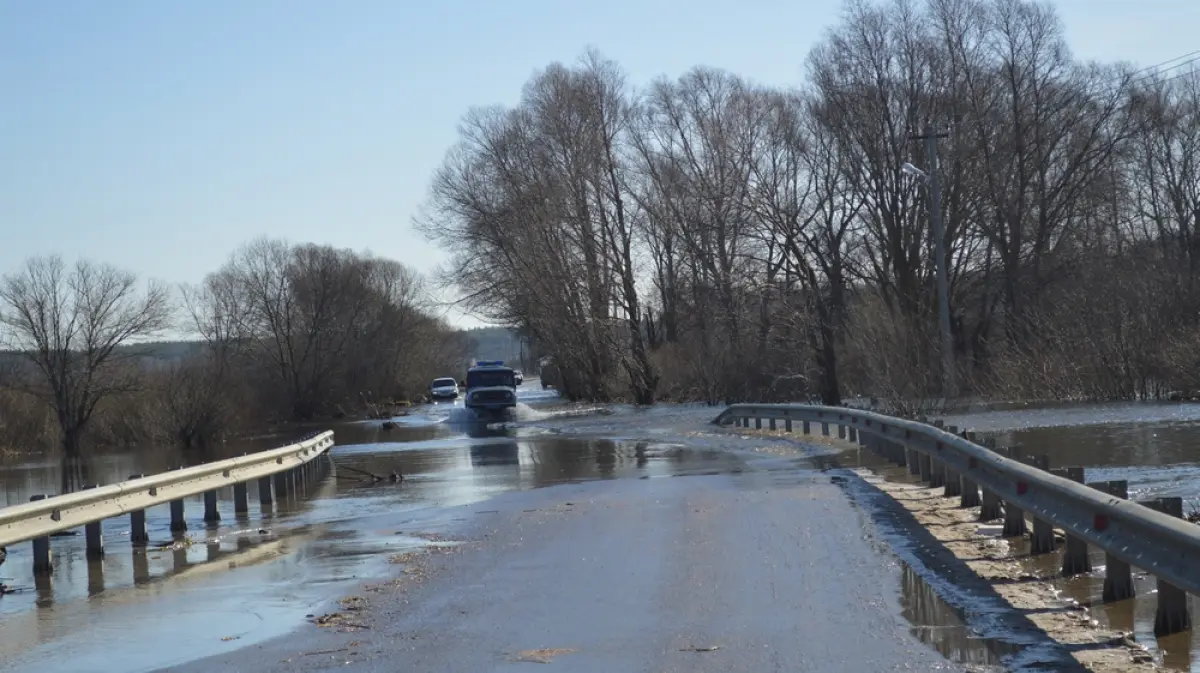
(443, 389)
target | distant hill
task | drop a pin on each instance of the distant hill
(159, 351)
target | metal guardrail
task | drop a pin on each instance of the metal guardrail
(1163, 545)
(41, 518)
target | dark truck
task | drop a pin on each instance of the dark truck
(491, 387)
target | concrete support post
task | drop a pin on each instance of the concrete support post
(1014, 517)
(1118, 576)
(925, 467)
(241, 498)
(137, 522)
(264, 491)
(210, 507)
(1014, 521)
(953, 484)
(1075, 556)
(807, 427)
(937, 474)
(94, 535)
(989, 504)
(178, 522)
(42, 557)
(968, 492)
(1172, 615)
(137, 528)
(1042, 541)
(787, 425)
(281, 484)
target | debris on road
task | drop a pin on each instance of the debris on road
(542, 656)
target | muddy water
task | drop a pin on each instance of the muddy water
(250, 578)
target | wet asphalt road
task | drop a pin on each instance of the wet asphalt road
(775, 568)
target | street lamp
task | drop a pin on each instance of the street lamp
(931, 180)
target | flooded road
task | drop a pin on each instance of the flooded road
(254, 580)
(249, 578)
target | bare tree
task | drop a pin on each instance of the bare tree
(71, 323)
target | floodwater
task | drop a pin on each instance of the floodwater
(1155, 447)
(249, 578)
(245, 580)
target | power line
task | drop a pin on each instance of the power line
(1159, 65)
(1165, 71)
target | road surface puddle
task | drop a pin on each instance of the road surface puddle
(944, 628)
(261, 574)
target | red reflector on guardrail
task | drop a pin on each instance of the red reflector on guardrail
(1101, 522)
(1022, 487)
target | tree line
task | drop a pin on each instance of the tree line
(713, 239)
(282, 332)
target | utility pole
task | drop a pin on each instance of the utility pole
(949, 386)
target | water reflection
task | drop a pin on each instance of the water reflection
(501, 453)
(943, 628)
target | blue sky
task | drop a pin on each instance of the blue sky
(160, 136)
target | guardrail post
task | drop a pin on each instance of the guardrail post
(281, 484)
(1118, 576)
(925, 467)
(824, 429)
(937, 473)
(241, 498)
(953, 485)
(745, 421)
(806, 427)
(42, 557)
(264, 491)
(1042, 541)
(853, 433)
(989, 508)
(770, 424)
(210, 507)
(1075, 557)
(787, 425)
(969, 492)
(757, 423)
(93, 534)
(899, 457)
(1014, 517)
(841, 431)
(137, 522)
(1172, 615)
(178, 521)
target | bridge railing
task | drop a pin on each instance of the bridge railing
(1151, 536)
(284, 468)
